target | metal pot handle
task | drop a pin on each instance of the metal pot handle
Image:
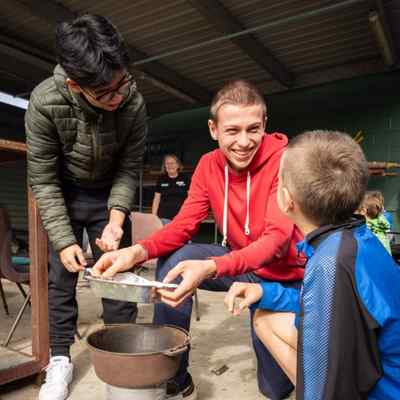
(175, 350)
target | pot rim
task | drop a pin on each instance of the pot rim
(113, 326)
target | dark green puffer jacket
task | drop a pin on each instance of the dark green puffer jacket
(71, 142)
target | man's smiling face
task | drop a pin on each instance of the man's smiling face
(239, 131)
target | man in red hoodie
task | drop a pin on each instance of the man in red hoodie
(238, 182)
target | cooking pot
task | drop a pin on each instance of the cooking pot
(137, 355)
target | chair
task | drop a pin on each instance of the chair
(143, 225)
(18, 273)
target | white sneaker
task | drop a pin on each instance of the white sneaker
(58, 377)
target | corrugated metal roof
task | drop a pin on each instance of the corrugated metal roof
(315, 48)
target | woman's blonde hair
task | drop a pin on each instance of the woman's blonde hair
(175, 157)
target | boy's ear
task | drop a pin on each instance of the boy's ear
(73, 85)
(288, 201)
(213, 129)
(265, 123)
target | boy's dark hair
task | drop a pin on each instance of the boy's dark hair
(327, 174)
(90, 49)
(239, 92)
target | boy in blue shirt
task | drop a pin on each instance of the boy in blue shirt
(338, 338)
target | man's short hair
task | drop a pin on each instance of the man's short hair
(238, 92)
(90, 49)
(327, 174)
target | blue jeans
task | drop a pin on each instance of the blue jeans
(272, 381)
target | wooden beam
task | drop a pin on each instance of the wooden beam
(28, 366)
(50, 9)
(164, 107)
(27, 47)
(38, 250)
(47, 10)
(381, 9)
(22, 370)
(12, 145)
(216, 14)
(27, 58)
(171, 78)
(11, 151)
(23, 66)
(24, 63)
(168, 89)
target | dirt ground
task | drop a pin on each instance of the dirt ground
(218, 339)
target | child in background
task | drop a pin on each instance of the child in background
(338, 337)
(388, 215)
(372, 209)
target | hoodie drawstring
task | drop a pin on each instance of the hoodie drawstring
(246, 225)
(225, 220)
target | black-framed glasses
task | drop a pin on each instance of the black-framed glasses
(122, 88)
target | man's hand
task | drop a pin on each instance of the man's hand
(110, 238)
(118, 261)
(193, 272)
(249, 292)
(73, 259)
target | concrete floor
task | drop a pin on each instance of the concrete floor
(217, 339)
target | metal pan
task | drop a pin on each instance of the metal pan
(127, 287)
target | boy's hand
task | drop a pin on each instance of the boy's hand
(119, 260)
(193, 272)
(249, 292)
(110, 238)
(72, 258)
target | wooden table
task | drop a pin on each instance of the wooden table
(14, 365)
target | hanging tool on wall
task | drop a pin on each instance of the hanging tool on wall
(380, 168)
(359, 137)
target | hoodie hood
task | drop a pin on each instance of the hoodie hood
(270, 145)
(76, 100)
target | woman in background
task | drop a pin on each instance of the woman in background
(171, 189)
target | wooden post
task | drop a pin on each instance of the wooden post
(15, 365)
(38, 252)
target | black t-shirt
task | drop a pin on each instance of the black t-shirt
(173, 193)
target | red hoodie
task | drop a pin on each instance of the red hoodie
(262, 239)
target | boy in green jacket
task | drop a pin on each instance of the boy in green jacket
(86, 130)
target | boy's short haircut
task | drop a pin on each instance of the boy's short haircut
(90, 49)
(327, 174)
(372, 204)
(240, 93)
